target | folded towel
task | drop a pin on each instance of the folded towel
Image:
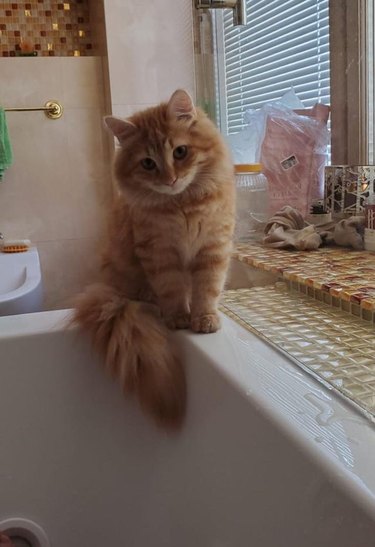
(287, 228)
(6, 155)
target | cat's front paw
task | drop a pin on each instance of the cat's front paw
(207, 323)
(180, 321)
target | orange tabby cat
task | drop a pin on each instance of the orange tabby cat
(167, 253)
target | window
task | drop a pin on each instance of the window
(284, 45)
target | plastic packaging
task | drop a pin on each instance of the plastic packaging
(246, 144)
(252, 202)
(291, 144)
(293, 155)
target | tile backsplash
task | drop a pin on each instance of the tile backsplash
(46, 27)
(57, 191)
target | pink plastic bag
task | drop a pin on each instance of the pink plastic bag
(293, 155)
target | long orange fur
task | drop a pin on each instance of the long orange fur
(167, 251)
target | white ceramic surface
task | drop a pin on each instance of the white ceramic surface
(267, 457)
(20, 282)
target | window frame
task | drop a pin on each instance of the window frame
(352, 81)
(218, 18)
(352, 78)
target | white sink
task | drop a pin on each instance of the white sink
(20, 282)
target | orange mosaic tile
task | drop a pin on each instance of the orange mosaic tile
(342, 273)
(46, 28)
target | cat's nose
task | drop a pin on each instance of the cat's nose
(170, 182)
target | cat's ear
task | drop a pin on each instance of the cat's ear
(120, 128)
(181, 106)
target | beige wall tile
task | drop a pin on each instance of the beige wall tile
(58, 188)
(67, 266)
(126, 110)
(34, 190)
(90, 183)
(30, 81)
(82, 82)
(150, 49)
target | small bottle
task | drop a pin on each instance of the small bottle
(252, 202)
(369, 238)
(318, 214)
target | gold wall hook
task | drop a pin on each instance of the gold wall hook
(54, 110)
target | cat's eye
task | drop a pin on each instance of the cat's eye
(179, 153)
(148, 164)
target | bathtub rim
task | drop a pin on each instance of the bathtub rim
(227, 352)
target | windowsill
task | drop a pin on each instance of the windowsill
(338, 276)
(322, 330)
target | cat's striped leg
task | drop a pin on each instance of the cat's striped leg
(208, 277)
(170, 283)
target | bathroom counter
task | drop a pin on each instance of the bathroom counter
(339, 276)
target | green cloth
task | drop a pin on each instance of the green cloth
(6, 155)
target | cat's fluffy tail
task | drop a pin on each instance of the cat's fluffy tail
(136, 348)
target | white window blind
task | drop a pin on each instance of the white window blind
(284, 45)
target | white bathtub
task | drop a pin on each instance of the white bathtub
(268, 457)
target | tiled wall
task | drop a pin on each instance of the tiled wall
(59, 185)
(45, 27)
(159, 51)
(57, 190)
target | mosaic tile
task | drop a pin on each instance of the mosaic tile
(45, 27)
(328, 343)
(345, 274)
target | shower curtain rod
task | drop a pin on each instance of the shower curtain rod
(52, 109)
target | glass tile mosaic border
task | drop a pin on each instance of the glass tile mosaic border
(341, 277)
(46, 28)
(333, 346)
